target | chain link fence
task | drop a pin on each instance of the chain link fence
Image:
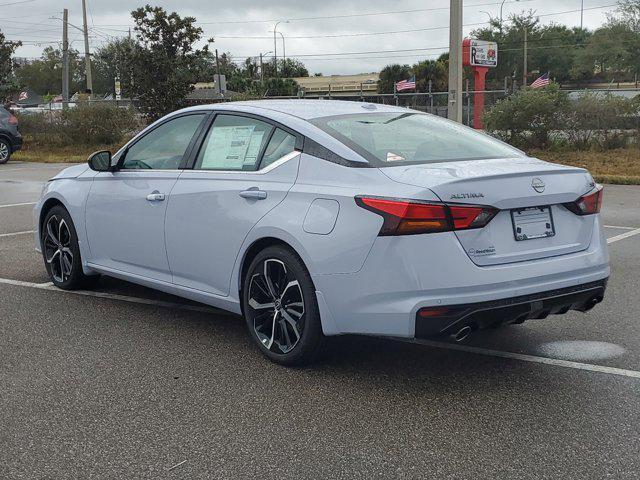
(434, 102)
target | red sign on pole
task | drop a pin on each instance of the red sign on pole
(480, 55)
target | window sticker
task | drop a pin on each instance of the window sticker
(229, 148)
(394, 157)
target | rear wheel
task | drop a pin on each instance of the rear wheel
(61, 252)
(281, 308)
(5, 151)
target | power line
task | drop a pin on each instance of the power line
(578, 10)
(28, 29)
(391, 32)
(330, 17)
(410, 49)
(443, 49)
(353, 15)
(26, 16)
(16, 3)
(361, 34)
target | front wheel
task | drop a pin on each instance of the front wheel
(61, 251)
(281, 308)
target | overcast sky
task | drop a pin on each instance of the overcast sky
(31, 22)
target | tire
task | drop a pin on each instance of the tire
(5, 151)
(281, 309)
(61, 252)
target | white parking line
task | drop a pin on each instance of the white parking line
(17, 204)
(620, 228)
(15, 233)
(622, 236)
(462, 348)
(529, 358)
(114, 296)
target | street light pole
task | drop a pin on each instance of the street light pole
(284, 54)
(454, 110)
(502, 5)
(487, 13)
(87, 56)
(275, 45)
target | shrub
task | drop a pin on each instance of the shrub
(527, 117)
(96, 123)
(84, 124)
(598, 119)
(547, 118)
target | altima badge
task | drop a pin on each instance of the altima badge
(538, 185)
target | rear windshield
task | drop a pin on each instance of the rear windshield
(387, 139)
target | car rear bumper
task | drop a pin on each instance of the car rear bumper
(448, 320)
(403, 275)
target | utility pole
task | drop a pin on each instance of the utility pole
(65, 58)
(524, 67)
(454, 107)
(87, 57)
(219, 78)
(581, 12)
(261, 69)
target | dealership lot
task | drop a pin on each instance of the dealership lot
(124, 382)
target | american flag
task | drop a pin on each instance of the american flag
(409, 84)
(541, 81)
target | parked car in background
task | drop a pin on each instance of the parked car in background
(314, 218)
(10, 138)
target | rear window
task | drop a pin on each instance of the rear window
(387, 139)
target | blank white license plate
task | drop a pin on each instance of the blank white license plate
(533, 222)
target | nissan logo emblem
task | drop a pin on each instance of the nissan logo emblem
(538, 185)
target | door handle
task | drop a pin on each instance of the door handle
(254, 194)
(156, 197)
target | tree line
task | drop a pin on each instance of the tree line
(575, 56)
(158, 66)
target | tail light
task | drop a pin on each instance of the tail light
(12, 120)
(587, 204)
(411, 217)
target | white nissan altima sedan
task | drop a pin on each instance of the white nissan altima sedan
(314, 218)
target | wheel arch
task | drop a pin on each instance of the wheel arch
(46, 206)
(6, 137)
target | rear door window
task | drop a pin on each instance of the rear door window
(233, 143)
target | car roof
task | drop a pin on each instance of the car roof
(297, 114)
(309, 109)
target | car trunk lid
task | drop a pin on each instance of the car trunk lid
(529, 194)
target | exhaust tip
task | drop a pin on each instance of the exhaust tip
(462, 334)
(589, 304)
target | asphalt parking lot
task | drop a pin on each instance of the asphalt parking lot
(123, 382)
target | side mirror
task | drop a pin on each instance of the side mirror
(100, 161)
